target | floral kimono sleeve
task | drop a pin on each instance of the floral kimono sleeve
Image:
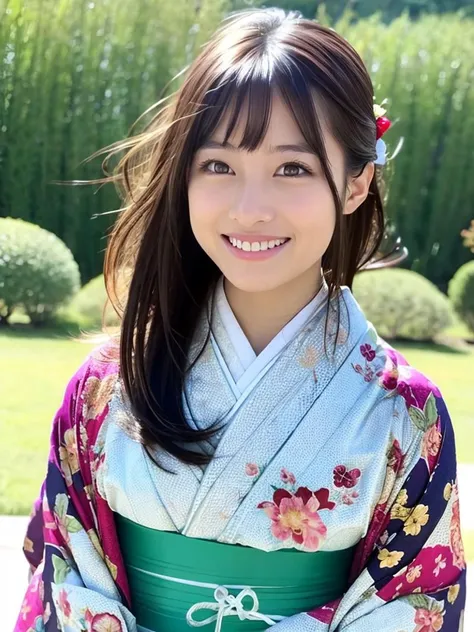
(409, 573)
(78, 581)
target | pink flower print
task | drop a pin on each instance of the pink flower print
(455, 538)
(428, 620)
(25, 609)
(287, 477)
(348, 498)
(344, 477)
(395, 457)
(421, 574)
(296, 516)
(105, 623)
(431, 442)
(63, 603)
(440, 562)
(252, 469)
(366, 373)
(88, 617)
(367, 352)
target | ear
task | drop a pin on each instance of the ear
(358, 189)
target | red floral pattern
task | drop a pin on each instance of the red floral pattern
(368, 353)
(296, 516)
(395, 457)
(344, 477)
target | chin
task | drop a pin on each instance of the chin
(251, 281)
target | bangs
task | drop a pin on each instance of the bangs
(245, 93)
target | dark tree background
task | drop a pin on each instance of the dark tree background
(389, 9)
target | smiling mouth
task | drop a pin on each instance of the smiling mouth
(256, 246)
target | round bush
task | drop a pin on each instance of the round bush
(461, 293)
(37, 270)
(89, 304)
(402, 304)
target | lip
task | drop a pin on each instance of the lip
(261, 255)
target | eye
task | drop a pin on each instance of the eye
(219, 167)
(294, 169)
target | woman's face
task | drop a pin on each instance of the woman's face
(264, 217)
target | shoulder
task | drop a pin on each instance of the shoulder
(423, 413)
(414, 387)
(91, 387)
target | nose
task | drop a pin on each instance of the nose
(252, 207)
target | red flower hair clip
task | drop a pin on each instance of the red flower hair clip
(383, 124)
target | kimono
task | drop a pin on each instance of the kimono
(343, 433)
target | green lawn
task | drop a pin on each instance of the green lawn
(34, 375)
(468, 541)
(36, 368)
(453, 372)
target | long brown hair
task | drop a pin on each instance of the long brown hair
(253, 54)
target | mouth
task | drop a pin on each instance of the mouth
(261, 245)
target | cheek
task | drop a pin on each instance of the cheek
(314, 215)
(203, 209)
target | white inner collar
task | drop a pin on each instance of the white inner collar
(245, 364)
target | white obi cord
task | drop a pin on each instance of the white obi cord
(226, 605)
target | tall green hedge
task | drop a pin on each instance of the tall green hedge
(75, 74)
(426, 70)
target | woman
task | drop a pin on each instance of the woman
(249, 453)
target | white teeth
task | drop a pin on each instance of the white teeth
(255, 246)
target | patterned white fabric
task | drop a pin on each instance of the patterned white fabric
(242, 362)
(279, 421)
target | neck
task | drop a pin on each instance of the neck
(263, 314)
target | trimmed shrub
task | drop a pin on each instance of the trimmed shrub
(402, 304)
(37, 271)
(89, 305)
(461, 293)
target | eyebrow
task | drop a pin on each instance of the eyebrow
(302, 148)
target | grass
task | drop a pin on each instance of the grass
(37, 364)
(35, 369)
(468, 541)
(459, 330)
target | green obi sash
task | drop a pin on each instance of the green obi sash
(177, 582)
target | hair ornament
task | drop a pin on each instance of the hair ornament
(383, 124)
